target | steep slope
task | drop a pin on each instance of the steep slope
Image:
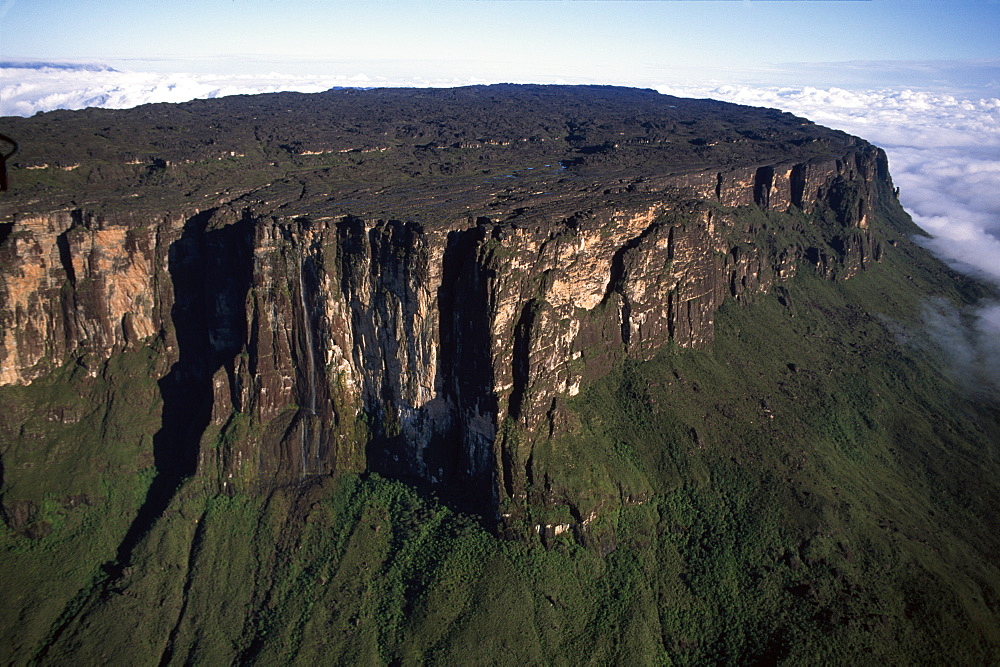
(439, 324)
(658, 339)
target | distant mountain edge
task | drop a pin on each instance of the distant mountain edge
(81, 67)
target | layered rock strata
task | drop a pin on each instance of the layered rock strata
(415, 342)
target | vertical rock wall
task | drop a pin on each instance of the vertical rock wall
(70, 282)
(352, 344)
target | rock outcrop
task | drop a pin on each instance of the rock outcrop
(415, 323)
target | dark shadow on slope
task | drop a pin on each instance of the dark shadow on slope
(457, 465)
(521, 362)
(467, 455)
(617, 281)
(375, 319)
(6, 228)
(66, 256)
(211, 273)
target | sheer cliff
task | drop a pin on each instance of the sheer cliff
(413, 327)
(607, 322)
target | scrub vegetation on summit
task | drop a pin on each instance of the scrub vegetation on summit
(551, 373)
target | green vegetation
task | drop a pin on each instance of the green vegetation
(808, 489)
(77, 460)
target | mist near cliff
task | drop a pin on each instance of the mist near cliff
(970, 342)
(944, 155)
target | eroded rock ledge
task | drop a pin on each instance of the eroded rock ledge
(423, 314)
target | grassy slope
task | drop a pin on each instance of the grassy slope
(77, 450)
(809, 488)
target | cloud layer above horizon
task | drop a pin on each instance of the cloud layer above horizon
(27, 88)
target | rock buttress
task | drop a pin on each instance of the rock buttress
(438, 353)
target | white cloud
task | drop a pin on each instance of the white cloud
(970, 342)
(26, 90)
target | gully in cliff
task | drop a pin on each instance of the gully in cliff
(4, 156)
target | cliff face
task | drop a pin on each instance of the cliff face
(429, 329)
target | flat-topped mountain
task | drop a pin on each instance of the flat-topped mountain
(439, 261)
(596, 318)
(432, 152)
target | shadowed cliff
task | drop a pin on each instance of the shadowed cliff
(210, 272)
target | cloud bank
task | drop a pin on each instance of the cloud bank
(944, 153)
(28, 88)
(78, 67)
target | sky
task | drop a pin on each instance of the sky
(626, 42)
(921, 78)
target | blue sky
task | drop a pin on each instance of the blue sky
(777, 41)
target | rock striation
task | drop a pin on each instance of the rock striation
(418, 281)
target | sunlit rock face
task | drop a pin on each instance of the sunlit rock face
(399, 281)
(69, 282)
